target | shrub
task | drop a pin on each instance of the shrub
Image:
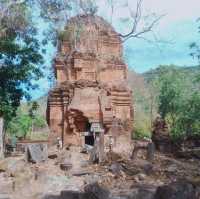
(141, 129)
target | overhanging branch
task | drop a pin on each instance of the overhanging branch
(137, 20)
(135, 34)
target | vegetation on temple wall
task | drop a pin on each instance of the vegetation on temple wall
(71, 33)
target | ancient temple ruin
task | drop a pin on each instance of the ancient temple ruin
(91, 81)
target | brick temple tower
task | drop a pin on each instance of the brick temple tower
(91, 80)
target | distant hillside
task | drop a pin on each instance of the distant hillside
(153, 73)
(142, 95)
(138, 83)
(144, 98)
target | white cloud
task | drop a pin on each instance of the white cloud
(178, 26)
(175, 10)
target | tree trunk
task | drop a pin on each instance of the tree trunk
(151, 111)
(1, 138)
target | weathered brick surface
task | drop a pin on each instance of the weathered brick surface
(91, 79)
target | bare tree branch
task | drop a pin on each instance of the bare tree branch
(136, 34)
(137, 20)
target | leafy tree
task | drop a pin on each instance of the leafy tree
(20, 57)
(21, 125)
(179, 102)
(195, 51)
(191, 116)
(32, 113)
(171, 87)
(33, 109)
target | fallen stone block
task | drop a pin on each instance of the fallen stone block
(142, 194)
(6, 186)
(95, 191)
(91, 191)
(37, 152)
(115, 168)
(178, 190)
(65, 166)
(189, 153)
(81, 173)
(72, 195)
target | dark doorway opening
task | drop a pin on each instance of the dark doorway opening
(89, 140)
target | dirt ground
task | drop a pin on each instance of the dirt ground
(120, 174)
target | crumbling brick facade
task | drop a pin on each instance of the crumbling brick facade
(91, 80)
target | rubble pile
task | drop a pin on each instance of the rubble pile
(187, 147)
(123, 177)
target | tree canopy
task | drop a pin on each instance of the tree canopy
(57, 13)
(20, 57)
(179, 102)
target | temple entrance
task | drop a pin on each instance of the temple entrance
(82, 125)
(89, 138)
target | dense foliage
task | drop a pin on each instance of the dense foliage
(179, 102)
(20, 57)
(145, 104)
(172, 92)
(26, 122)
(142, 119)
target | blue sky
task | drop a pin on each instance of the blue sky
(142, 56)
(178, 28)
